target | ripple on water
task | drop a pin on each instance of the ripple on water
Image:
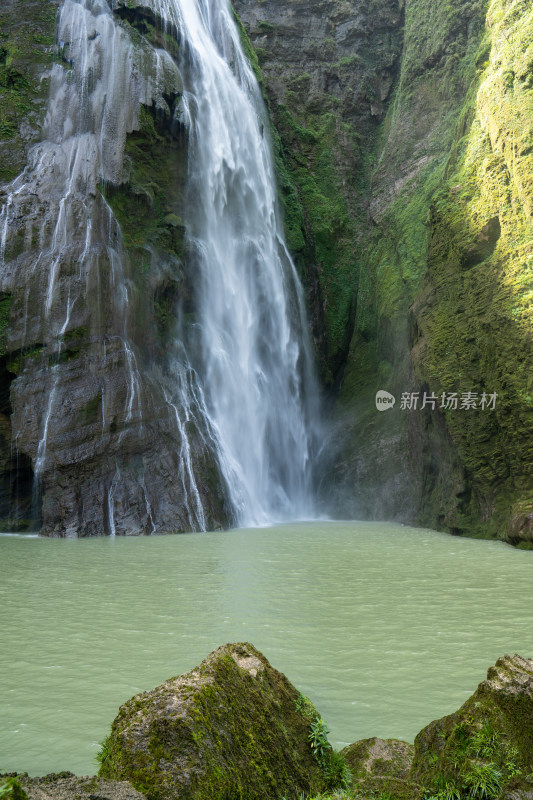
(385, 627)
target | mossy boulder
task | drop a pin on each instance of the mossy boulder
(230, 728)
(380, 766)
(66, 786)
(485, 749)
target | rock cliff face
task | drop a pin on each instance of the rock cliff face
(402, 134)
(430, 108)
(95, 437)
(328, 68)
(25, 58)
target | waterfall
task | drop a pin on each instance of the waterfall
(238, 385)
(255, 361)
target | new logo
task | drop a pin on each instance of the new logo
(384, 400)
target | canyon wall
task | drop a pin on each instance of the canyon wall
(99, 433)
(403, 137)
(406, 131)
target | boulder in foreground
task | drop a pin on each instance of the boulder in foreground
(380, 767)
(66, 786)
(231, 729)
(485, 749)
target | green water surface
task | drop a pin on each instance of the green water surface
(384, 627)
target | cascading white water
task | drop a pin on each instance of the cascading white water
(243, 380)
(255, 360)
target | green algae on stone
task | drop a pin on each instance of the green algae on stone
(444, 295)
(474, 317)
(380, 767)
(483, 749)
(26, 53)
(230, 728)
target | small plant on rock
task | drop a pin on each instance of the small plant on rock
(333, 766)
(12, 790)
(483, 781)
(319, 739)
(103, 753)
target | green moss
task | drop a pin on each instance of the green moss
(470, 759)
(26, 51)
(250, 54)
(322, 200)
(149, 204)
(142, 24)
(474, 325)
(293, 214)
(444, 291)
(381, 766)
(17, 525)
(90, 412)
(237, 736)
(17, 360)
(332, 228)
(76, 334)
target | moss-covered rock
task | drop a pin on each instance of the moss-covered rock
(328, 69)
(485, 749)
(380, 766)
(66, 786)
(481, 752)
(10, 789)
(26, 54)
(444, 281)
(231, 729)
(472, 319)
